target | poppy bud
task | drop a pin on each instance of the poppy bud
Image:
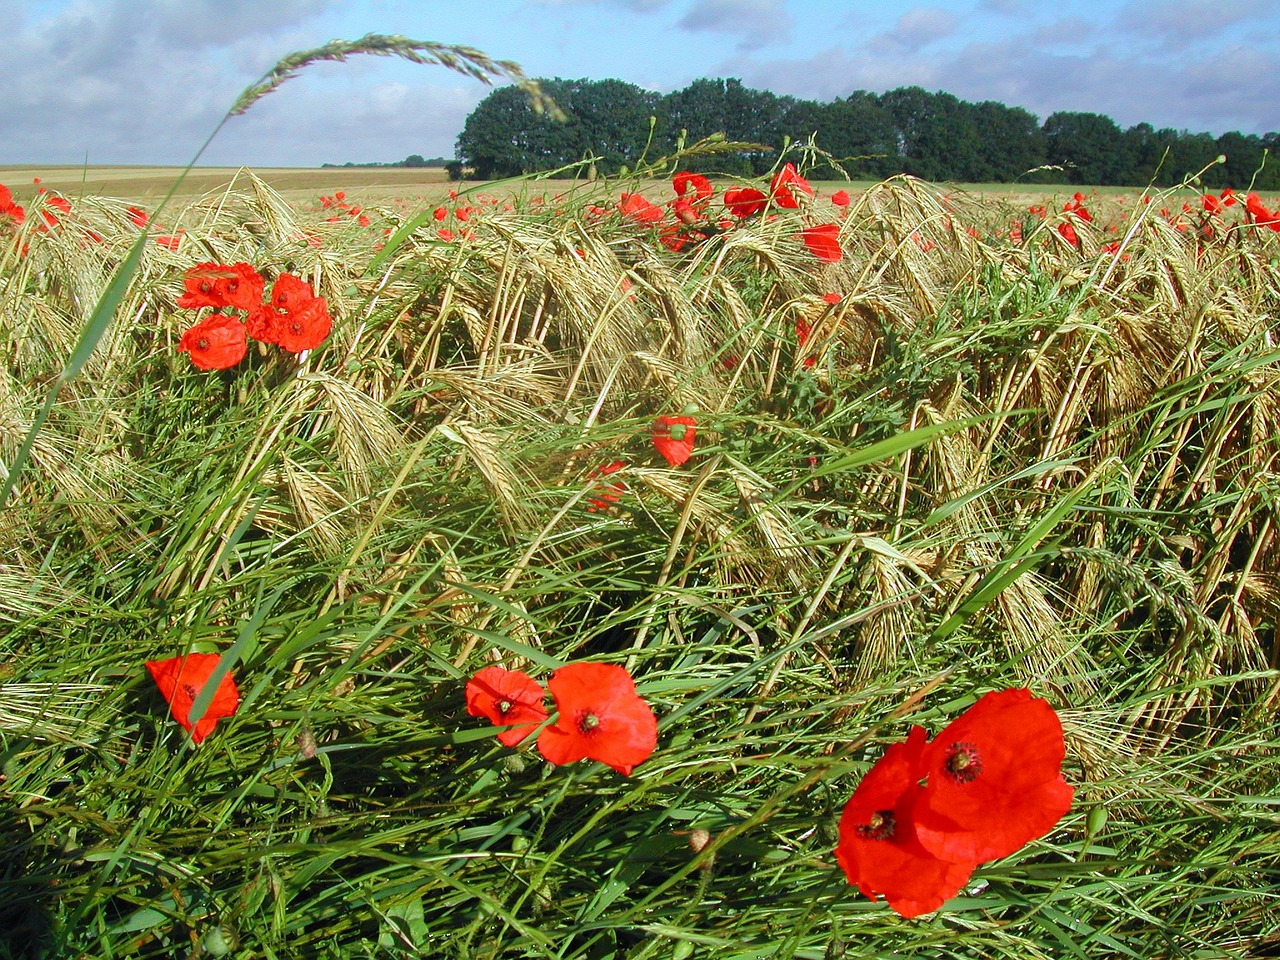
(1096, 820)
(677, 431)
(698, 839)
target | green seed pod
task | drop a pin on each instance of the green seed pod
(220, 940)
(677, 431)
(1096, 820)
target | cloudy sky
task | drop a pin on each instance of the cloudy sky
(146, 81)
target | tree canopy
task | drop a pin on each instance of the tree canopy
(935, 135)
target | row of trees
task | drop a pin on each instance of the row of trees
(871, 136)
(412, 160)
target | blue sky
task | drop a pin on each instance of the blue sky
(146, 81)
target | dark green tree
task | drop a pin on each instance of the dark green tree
(937, 136)
(1010, 142)
(609, 120)
(1244, 156)
(1191, 153)
(708, 107)
(501, 136)
(856, 130)
(608, 124)
(1089, 146)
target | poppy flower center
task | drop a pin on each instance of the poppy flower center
(206, 286)
(879, 827)
(964, 763)
(233, 286)
(189, 690)
(504, 706)
(588, 722)
(203, 343)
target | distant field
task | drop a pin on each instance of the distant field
(150, 183)
(372, 183)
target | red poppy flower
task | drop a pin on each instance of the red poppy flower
(744, 201)
(639, 209)
(137, 216)
(683, 180)
(840, 198)
(58, 203)
(10, 209)
(823, 241)
(832, 298)
(803, 330)
(1260, 214)
(878, 849)
(295, 319)
(784, 185)
(181, 679)
(601, 718)
(1228, 197)
(219, 285)
(993, 779)
(608, 493)
(1068, 233)
(1076, 208)
(673, 438)
(509, 698)
(217, 342)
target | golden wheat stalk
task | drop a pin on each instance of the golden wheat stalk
(465, 60)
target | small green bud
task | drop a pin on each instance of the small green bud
(677, 431)
(691, 410)
(1096, 820)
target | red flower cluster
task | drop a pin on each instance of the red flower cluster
(338, 201)
(181, 679)
(929, 812)
(600, 715)
(293, 318)
(1075, 206)
(673, 438)
(9, 208)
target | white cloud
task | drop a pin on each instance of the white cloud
(1232, 89)
(1183, 23)
(758, 22)
(920, 27)
(640, 6)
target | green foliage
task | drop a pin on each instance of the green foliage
(867, 136)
